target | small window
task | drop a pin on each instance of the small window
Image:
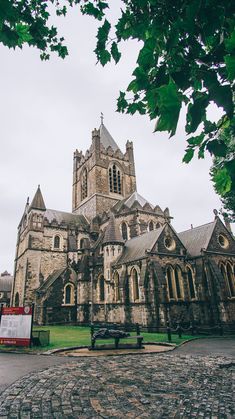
(135, 284)
(84, 184)
(101, 289)
(57, 242)
(124, 231)
(223, 241)
(116, 287)
(151, 226)
(158, 225)
(69, 294)
(115, 181)
(191, 283)
(17, 300)
(169, 275)
(178, 282)
(169, 243)
(231, 279)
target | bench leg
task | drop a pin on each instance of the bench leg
(93, 344)
(116, 342)
(140, 343)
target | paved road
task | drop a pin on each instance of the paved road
(213, 346)
(13, 367)
(170, 385)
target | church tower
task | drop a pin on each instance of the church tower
(103, 176)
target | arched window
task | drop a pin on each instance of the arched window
(116, 287)
(101, 289)
(231, 279)
(69, 294)
(135, 284)
(178, 283)
(115, 181)
(151, 226)
(57, 242)
(191, 286)
(227, 272)
(17, 300)
(158, 225)
(124, 231)
(170, 282)
(84, 184)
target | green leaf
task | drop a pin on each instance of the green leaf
(196, 112)
(230, 66)
(104, 57)
(217, 147)
(115, 52)
(145, 57)
(188, 155)
(169, 104)
(230, 43)
(122, 103)
(222, 181)
(195, 141)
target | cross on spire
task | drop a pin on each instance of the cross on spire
(102, 118)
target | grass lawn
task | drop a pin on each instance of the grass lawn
(67, 336)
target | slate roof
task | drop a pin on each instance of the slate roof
(6, 282)
(38, 201)
(106, 138)
(75, 220)
(112, 232)
(51, 279)
(129, 201)
(135, 248)
(197, 238)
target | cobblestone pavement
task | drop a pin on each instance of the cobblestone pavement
(142, 386)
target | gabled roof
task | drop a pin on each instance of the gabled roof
(135, 248)
(51, 279)
(75, 220)
(106, 138)
(129, 202)
(197, 238)
(38, 201)
(112, 232)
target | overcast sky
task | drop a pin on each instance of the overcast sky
(48, 109)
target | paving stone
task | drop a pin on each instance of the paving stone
(160, 386)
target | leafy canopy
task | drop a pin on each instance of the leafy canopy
(223, 172)
(186, 56)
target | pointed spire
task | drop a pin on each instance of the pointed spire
(112, 233)
(106, 138)
(38, 201)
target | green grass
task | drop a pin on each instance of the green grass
(67, 336)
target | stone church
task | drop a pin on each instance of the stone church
(116, 257)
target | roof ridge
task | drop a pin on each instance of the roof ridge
(194, 228)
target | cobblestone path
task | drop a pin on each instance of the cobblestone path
(149, 386)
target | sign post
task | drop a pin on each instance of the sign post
(16, 326)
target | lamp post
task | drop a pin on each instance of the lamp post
(91, 302)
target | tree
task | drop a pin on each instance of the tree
(187, 56)
(222, 165)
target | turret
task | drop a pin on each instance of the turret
(112, 246)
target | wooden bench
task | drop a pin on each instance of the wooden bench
(114, 327)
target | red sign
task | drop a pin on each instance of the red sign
(17, 310)
(15, 326)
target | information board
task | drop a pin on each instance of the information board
(15, 326)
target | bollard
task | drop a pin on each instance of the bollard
(168, 329)
(179, 330)
(191, 328)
